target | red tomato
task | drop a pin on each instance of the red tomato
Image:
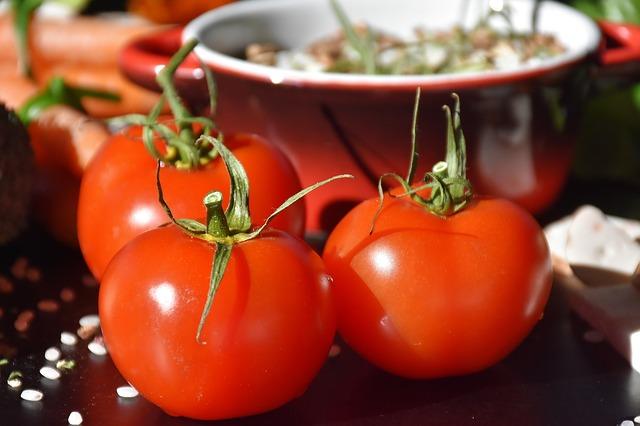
(119, 198)
(424, 296)
(267, 335)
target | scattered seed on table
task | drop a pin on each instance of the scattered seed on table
(90, 321)
(6, 286)
(48, 305)
(75, 418)
(334, 351)
(67, 338)
(89, 281)
(33, 275)
(15, 379)
(593, 336)
(65, 364)
(87, 332)
(50, 373)
(23, 321)
(19, 267)
(31, 395)
(127, 392)
(67, 295)
(97, 347)
(52, 354)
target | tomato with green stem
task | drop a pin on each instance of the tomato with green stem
(119, 180)
(222, 340)
(432, 281)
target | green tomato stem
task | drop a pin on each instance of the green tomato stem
(217, 225)
(450, 190)
(165, 81)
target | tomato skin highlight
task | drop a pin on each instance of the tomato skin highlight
(425, 297)
(268, 333)
(119, 199)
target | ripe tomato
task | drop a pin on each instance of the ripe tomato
(425, 296)
(266, 337)
(119, 199)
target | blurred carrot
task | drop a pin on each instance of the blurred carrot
(173, 11)
(133, 98)
(81, 40)
(15, 89)
(66, 139)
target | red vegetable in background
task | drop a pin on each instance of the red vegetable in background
(254, 348)
(445, 284)
(120, 179)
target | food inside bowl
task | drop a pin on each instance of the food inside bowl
(361, 48)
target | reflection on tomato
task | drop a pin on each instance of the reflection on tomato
(119, 200)
(267, 335)
(424, 296)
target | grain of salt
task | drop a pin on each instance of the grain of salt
(96, 347)
(127, 392)
(90, 321)
(52, 354)
(50, 373)
(75, 418)
(31, 395)
(67, 338)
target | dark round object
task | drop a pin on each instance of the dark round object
(16, 175)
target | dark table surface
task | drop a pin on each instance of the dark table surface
(556, 377)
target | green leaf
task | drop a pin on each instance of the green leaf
(613, 10)
(220, 261)
(288, 203)
(405, 186)
(57, 92)
(192, 226)
(364, 46)
(238, 217)
(414, 129)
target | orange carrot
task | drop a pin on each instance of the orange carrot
(133, 98)
(14, 89)
(66, 139)
(80, 40)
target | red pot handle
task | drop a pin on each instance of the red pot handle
(141, 59)
(627, 36)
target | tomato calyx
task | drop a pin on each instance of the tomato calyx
(449, 189)
(58, 92)
(226, 228)
(184, 148)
